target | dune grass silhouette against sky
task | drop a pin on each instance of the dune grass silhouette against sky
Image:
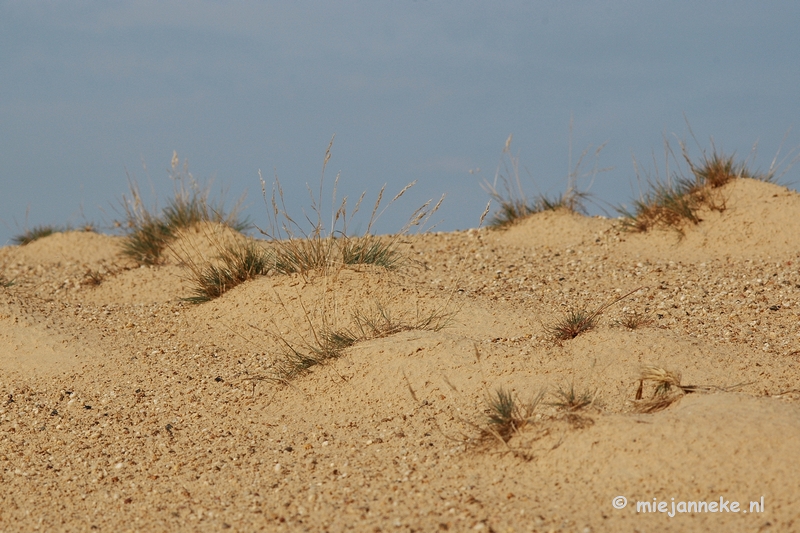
(413, 90)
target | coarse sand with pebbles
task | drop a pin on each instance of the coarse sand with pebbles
(125, 408)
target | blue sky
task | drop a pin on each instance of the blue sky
(414, 90)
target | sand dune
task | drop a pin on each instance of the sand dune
(123, 407)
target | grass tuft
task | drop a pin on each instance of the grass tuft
(150, 231)
(514, 205)
(92, 278)
(635, 320)
(302, 255)
(235, 264)
(5, 283)
(576, 322)
(668, 389)
(570, 400)
(328, 249)
(329, 343)
(679, 199)
(147, 239)
(582, 320)
(36, 233)
(370, 250)
(506, 415)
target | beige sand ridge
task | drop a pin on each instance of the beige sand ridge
(124, 407)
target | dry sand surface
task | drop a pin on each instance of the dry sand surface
(125, 408)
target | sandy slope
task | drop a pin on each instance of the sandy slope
(125, 408)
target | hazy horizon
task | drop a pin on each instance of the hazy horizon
(425, 91)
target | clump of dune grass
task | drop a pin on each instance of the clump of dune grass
(45, 230)
(568, 399)
(371, 250)
(289, 249)
(92, 278)
(506, 414)
(635, 320)
(578, 321)
(379, 323)
(36, 233)
(678, 199)
(235, 264)
(514, 205)
(150, 231)
(328, 249)
(327, 342)
(5, 283)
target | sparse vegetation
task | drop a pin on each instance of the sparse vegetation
(576, 322)
(506, 415)
(568, 399)
(580, 321)
(45, 230)
(371, 250)
(36, 233)
(667, 389)
(514, 205)
(679, 198)
(5, 283)
(288, 250)
(329, 249)
(235, 264)
(92, 278)
(328, 343)
(635, 320)
(150, 231)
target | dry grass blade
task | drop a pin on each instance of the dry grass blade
(485, 212)
(665, 380)
(659, 403)
(668, 388)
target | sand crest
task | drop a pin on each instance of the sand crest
(123, 407)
